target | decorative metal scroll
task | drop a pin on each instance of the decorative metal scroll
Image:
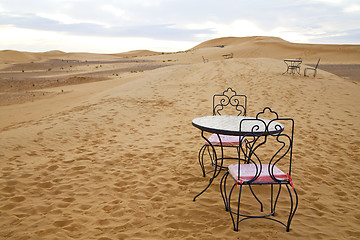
(229, 99)
(274, 132)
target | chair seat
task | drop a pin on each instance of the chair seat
(248, 171)
(226, 140)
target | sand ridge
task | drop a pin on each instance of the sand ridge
(117, 159)
(271, 47)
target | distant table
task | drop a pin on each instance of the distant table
(227, 56)
(292, 66)
(234, 126)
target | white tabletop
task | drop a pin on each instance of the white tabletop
(230, 125)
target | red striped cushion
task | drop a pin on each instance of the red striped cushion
(248, 171)
(225, 139)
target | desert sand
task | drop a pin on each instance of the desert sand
(101, 146)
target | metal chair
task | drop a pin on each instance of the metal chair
(312, 69)
(227, 103)
(269, 154)
(205, 60)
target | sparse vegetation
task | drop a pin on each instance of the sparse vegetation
(136, 71)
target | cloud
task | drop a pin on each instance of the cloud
(349, 37)
(186, 20)
(163, 31)
(41, 41)
(354, 8)
(237, 28)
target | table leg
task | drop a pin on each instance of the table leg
(288, 67)
(218, 168)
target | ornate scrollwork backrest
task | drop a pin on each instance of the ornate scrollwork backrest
(267, 111)
(229, 99)
(272, 146)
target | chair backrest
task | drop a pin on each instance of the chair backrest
(229, 103)
(317, 64)
(268, 148)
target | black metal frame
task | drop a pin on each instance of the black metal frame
(229, 98)
(293, 66)
(284, 153)
(310, 68)
(218, 166)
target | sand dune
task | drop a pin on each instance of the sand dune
(117, 159)
(271, 47)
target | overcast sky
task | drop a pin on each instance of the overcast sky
(112, 26)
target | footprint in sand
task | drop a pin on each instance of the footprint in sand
(85, 207)
(52, 168)
(68, 200)
(8, 206)
(45, 185)
(62, 223)
(78, 168)
(320, 171)
(32, 153)
(8, 189)
(18, 199)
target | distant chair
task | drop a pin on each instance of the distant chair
(205, 60)
(311, 68)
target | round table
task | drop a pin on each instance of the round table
(235, 126)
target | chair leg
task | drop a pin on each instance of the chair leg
(237, 213)
(293, 206)
(257, 199)
(273, 203)
(223, 190)
(238, 209)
